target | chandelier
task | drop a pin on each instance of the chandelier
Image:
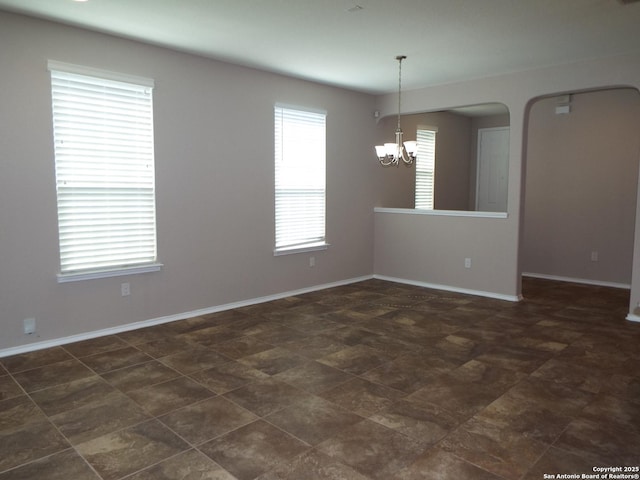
(392, 153)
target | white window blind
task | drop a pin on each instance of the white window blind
(425, 167)
(299, 179)
(103, 137)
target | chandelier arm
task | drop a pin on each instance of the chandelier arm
(387, 161)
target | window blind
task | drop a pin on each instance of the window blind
(425, 168)
(103, 144)
(299, 178)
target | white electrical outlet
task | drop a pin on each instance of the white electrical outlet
(594, 256)
(125, 289)
(312, 261)
(29, 326)
(467, 263)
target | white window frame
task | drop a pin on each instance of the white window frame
(105, 174)
(425, 167)
(300, 179)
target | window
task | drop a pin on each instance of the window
(103, 144)
(299, 180)
(425, 167)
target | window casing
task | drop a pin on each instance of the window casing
(300, 158)
(105, 176)
(425, 167)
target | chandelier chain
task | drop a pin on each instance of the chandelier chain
(399, 58)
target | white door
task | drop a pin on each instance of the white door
(493, 169)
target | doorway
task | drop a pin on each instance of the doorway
(493, 169)
(581, 180)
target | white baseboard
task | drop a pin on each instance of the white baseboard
(268, 298)
(585, 281)
(449, 288)
(633, 317)
(55, 342)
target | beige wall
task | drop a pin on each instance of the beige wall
(214, 144)
(581, 183)
(431, 250)
(495, 241)
(214, 170)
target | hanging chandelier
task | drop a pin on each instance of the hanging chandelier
(391, 153)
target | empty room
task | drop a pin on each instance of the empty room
(319, 240)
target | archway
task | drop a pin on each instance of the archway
(581, 172)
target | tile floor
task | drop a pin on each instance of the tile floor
(374, 380)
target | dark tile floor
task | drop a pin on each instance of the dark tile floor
(374, 380)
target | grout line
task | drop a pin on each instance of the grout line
(548, 355)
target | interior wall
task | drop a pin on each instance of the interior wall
(214, 179)
(581, 184)
(495, 241)
(213, 124)
(453, 160)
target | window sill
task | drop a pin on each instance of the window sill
(302, 249)
(118, 272)
(442, 213)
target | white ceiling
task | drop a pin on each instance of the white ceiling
(353, 43)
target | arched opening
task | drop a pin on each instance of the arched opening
(581, 181)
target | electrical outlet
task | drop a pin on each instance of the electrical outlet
(29, 326)
(312, 261)
(125, 289)
(467, 263)
(594, 256)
